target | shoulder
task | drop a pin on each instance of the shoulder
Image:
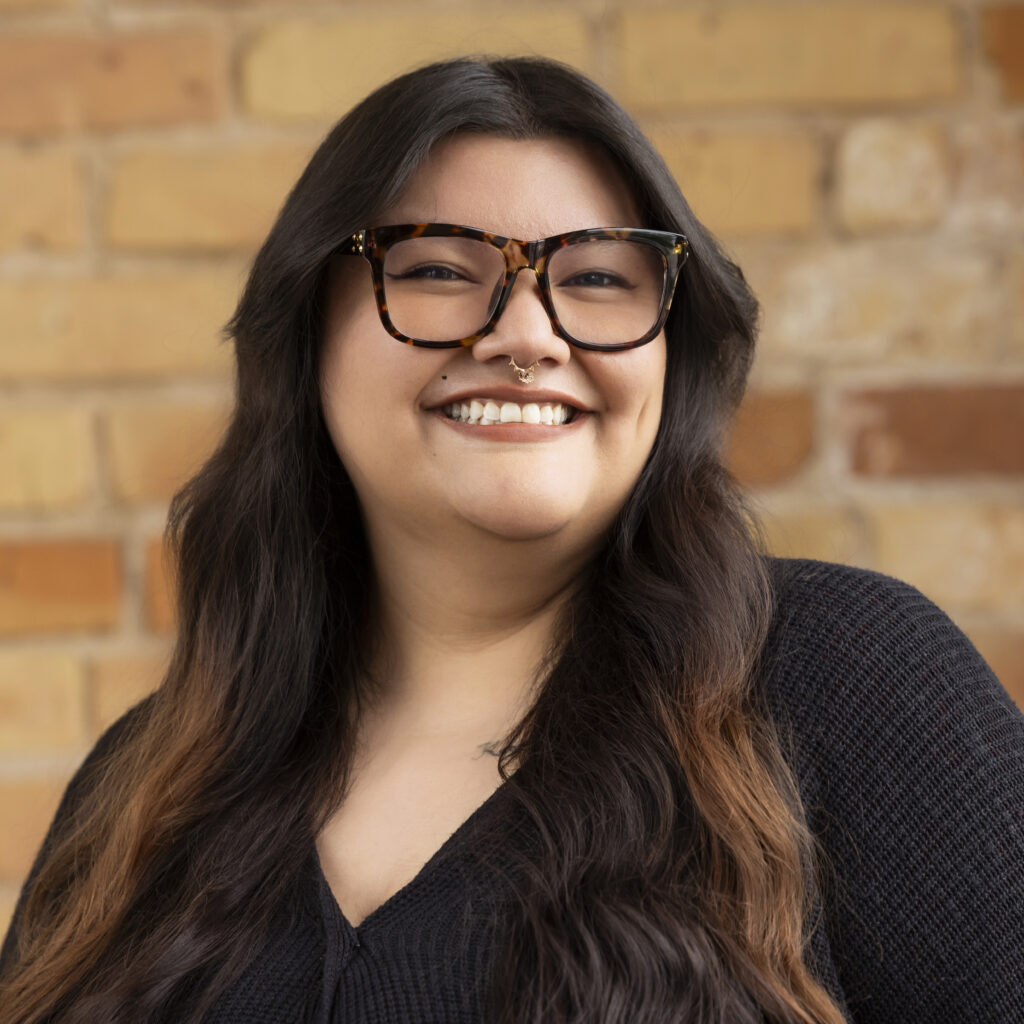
(909, 756)
(866, 679)
(854, 642)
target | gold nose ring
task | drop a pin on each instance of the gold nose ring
(523, 374)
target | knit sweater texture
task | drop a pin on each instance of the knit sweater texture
(909, 756)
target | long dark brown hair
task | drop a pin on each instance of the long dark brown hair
(672, 872)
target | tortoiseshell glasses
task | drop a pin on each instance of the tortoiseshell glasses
(443, 285)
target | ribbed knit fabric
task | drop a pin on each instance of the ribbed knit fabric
(910, 760)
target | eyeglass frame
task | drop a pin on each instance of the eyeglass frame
(373, 243)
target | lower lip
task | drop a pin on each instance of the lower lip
(517, 432)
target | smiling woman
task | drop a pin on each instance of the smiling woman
(485, 704)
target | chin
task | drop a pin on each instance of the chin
(522, 523)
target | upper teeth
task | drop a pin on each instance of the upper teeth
(485, 411)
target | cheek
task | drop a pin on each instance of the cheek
(633, 385)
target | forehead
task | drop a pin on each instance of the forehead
(524, 189)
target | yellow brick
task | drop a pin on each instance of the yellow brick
(41, 706)
(46, 458)
(318, 69)
(790, 53)
(965, 557)
(891, 175)
(8, 900)
(830, 535)
(27, 807)
(122, 680)
(118, 327)
(35, 5)
(746, 182)
(200, 199)
(43, 204)
(154, 449)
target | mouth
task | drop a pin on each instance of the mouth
(486, 412)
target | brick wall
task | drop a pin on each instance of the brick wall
(864, 160)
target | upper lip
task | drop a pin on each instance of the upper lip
(509, 394)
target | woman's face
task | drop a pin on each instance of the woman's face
(417, 469)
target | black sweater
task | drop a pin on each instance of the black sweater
(910, 760)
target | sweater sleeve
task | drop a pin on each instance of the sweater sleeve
(910, 759)
(79, 785)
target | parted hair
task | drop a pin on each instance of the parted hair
(673, 874)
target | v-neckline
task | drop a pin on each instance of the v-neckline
(383, 910)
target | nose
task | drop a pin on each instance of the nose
(524, 330)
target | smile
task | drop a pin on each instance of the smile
(487, 412)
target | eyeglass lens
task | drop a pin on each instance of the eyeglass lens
(604, 291)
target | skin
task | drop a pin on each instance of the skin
(476, 532)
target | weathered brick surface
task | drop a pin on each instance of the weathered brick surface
(772, 437)
(52, 585)
(154, 448)
(891, 175)
(62, 82)
(43, 201)
(47, 458)
(746, 182)
(121, 680)
(26, 808)
(317, 69)
(1003, 32)
(988, 195)
(966, 556)
(159, 588)
(200, 198)
(893, 301)
(41, 701)
(120, 327)
(937, 431)
(790, 53)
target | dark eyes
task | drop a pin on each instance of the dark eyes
(595, 279)
(429, 272)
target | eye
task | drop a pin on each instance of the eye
(431, 272)
(595, 279)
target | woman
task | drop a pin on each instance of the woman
(485, 705)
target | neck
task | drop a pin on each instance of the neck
(464, 624)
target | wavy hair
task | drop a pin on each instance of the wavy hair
(673, 872)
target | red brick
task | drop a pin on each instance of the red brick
(59, 584)
(159, 588)
(64, 82)
(937, 431)
(1003, 32)
(772, 437)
